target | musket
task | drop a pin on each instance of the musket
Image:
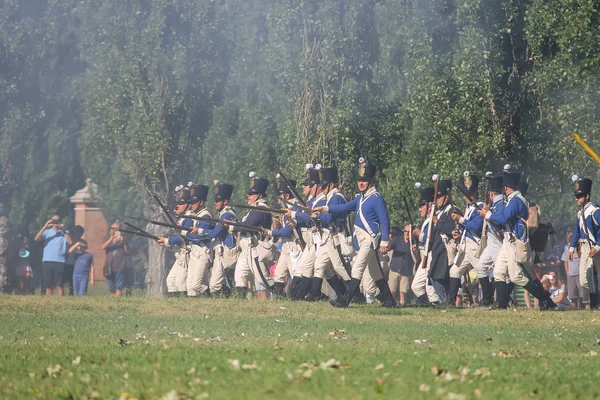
(227, 222)
(298, 206)
(430, 227)
(143, 234)
(302, 202)
(169, 217)
(272, 211)
(412, 228)
(295, 229)
(292, 188)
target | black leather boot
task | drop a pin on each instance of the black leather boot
(337, 285)
(294, 287)
(345, 300)
(279, 289)
(543, 296)
(453, 286)
(422, 300)
(385, 294)
(240, 292)
(314, 289)
(487, 291)
(501, 295)
(302, 288)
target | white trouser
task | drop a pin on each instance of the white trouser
(225, 258)
(420, 284)
(307, 261)
(365, 257)
(284, 265)
(467, 258)
(246, 268)
(198, 270)
(585, 264)
(176, 279)
(507, 267)
(488, 257)
(328, 259)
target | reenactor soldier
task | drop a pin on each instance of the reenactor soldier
(371, 232)
(514, 259)
(225, 243)
(200, 247)
(310, 232)
(587, 236)
(177, 277)
(442, 251)
(254, 250)
(289, 235)
(492, 240)
(423, 291)
(329, 262)
(471, 224)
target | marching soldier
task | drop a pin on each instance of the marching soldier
(514, 259)
(329, 262)
(254, 250)
(225, 244)
(442, 251)
(471, 224)
(200, 251)
(587, 236)
(493, 240)
(310, 232)
(423, 291)
(177, 277)
(290, 249)
(371, 231)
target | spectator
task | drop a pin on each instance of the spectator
(576, 293)
(76, 235)
(114, 266)
(83, 268)
(55, 240)
(23, 272)
(401, 263)
(554, 284)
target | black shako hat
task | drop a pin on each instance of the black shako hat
(182, 194)
(223, 191)
(283, 188)
(469, 183)
(583, 186)
(365, 170)
(258, 185)
(198, 193)
(426, 194)
(511, 178)
(328, 175)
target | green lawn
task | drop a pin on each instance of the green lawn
(99, 347)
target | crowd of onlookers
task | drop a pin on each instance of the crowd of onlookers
(67, 264)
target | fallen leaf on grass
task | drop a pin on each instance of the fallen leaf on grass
(330, 364)
(456, 396)
(379, 381)
(378, 367)
(592, 354)
(424, 387)
(235, 364)
(398, 362)
(420, 341)
(140, 336)
(77, 360)
(54, 371)
(477, 393)
(85, 378)
(247, 367)
(504, 354)
(124, 342)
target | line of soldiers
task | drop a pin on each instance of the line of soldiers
(218, 256)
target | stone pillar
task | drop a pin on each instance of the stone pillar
(90, 216)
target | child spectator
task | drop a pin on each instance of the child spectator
(575, 292)
(554, 284)
(23, 272)
(83, 269)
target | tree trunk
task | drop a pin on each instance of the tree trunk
(4, 240)
(159, 258)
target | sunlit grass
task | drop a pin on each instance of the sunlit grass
(146, 348)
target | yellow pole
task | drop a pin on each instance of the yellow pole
(586, 147)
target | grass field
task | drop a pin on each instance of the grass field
(99, 347)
